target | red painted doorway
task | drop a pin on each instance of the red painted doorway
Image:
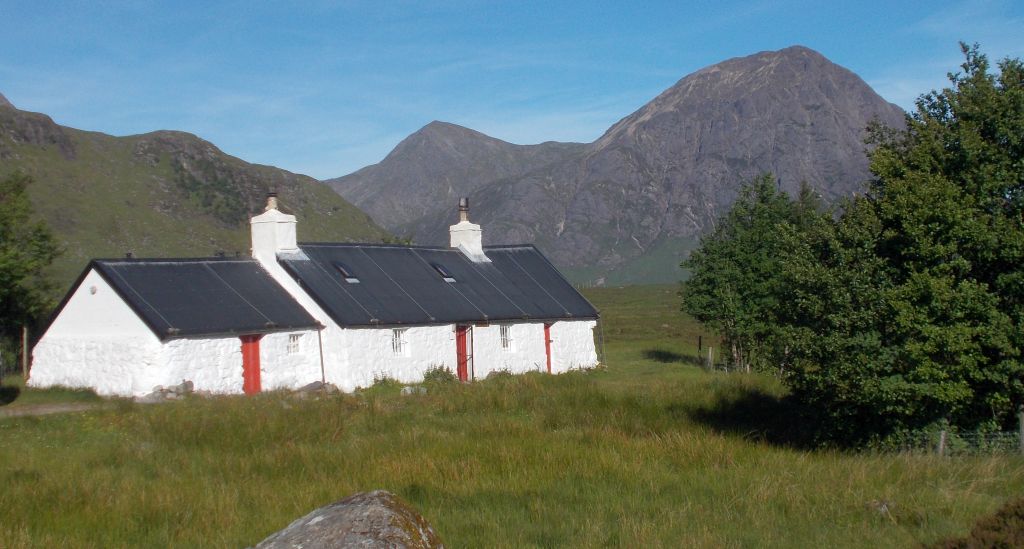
(547, 343)
(251, 364)
(464, 351)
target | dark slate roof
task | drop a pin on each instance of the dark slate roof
(191, 297)
(400, 285)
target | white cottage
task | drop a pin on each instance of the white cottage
(298, 313)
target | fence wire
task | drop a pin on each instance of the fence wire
(963, 444)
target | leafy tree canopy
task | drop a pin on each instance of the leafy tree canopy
(734, 283)
(26, 248)
(905, 312)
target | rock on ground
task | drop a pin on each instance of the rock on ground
(367, 519)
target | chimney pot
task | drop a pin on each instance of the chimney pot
(272, 232)
(466, 236)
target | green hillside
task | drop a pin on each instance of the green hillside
(161, 194)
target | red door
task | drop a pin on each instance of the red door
(462, 352)
(547, 343)
(251, 364)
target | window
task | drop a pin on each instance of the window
(443, 272)
(398, 344)
(506, 336)
(293, 343)
(346, 273)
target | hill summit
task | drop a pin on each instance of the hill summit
(629, 205)
(165, 193)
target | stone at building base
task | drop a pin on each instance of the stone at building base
(368, 519)
(161, 393)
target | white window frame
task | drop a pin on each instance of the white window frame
(294, 344)
(505, 333)
(399, 345)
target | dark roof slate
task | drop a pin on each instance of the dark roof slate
(192, 297)
(369, 285)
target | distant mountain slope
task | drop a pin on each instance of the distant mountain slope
(164, 193)
(628, 205)
(430, 170)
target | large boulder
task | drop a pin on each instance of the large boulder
(367, 519)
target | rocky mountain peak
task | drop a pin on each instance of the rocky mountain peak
(757, 88)
(447, 140)
(4, 102)
(634, 201)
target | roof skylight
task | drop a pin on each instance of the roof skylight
(346, 273)
(443, 272)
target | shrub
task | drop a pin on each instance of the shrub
(439, 373)
(1005, 528)
(382, 380)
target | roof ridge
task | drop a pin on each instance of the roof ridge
(404, 246)
(242, 259)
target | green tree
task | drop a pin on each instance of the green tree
(906, 312)
(733, 287)
(26, 248)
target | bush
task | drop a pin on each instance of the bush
(382, 380)
(1005, 528)
(439, 373)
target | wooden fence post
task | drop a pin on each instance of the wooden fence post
(942, 443)
(1020, 427)
(24, 353)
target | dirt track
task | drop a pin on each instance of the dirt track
(46, 409)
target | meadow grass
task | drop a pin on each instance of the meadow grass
(638, 453)
(14, 395)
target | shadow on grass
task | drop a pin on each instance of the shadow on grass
(8, 394)
(759, 416)
(670, 357)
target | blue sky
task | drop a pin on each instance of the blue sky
(324, 88)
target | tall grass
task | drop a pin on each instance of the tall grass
(622, 456)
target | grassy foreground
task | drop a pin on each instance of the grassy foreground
(638, 454)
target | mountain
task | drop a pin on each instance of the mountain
(4, 102)
(160, 194)
(431, 169)
(628, 206)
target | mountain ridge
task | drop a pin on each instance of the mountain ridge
(646, 189)
(459, 158)
(163, 193)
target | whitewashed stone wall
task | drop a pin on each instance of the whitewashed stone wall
(214, 364)
(572, 345)
(97, 342)
(109, 366)
(355, 357)
(525, 354)
(280, 368)
(367, 353)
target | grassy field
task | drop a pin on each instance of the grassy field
(649, 451)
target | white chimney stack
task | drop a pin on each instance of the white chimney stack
(467, 236)
(272, 232)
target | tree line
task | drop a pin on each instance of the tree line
(27, 247)
(897, 311)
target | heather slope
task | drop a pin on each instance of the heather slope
(158, 194)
